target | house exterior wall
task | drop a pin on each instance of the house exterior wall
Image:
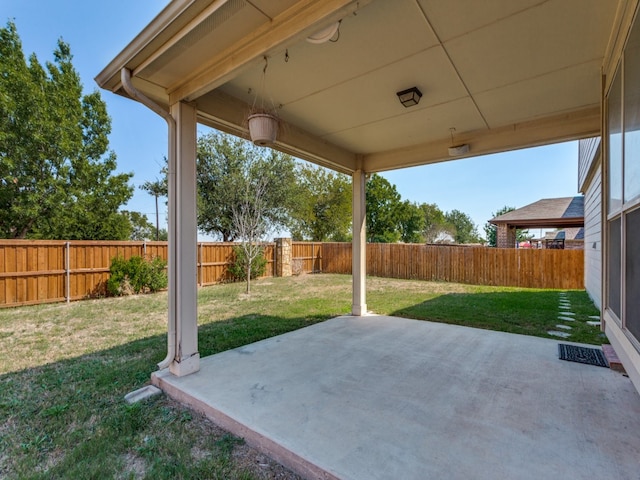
(620, 258)
(593, 237)
(506, 236)
(574, 244)
(588, 150)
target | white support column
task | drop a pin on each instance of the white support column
(183, 241)
(359, 245)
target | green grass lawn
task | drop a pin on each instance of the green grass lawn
(65, 369)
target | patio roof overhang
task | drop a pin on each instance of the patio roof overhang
(495, 75)
(504, 74)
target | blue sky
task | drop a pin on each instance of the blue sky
(98, 30)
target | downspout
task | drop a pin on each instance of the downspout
(125, 77)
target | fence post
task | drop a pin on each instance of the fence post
(283, 255)
(144, 249)
(201, 282)
(67, 267)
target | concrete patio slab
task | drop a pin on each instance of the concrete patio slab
(389, 398)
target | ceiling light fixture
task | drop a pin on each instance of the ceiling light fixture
(326, 34)
(409, 97)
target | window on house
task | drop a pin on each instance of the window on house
(613, 267)
(632, 273)
(623, 207)
(632, 117)
(615, 145)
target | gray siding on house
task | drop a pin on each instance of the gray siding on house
(593, 236)
(587, 149)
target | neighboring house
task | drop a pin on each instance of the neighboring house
(566, 239)
(560, 213)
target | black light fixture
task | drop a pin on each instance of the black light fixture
(410, 96)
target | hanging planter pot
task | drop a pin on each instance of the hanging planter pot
(263, 128)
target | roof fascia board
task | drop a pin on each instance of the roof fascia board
(230, 118)
(554, 129)
(293, 24)
(184, 31)
(543, 223)
(109, 77)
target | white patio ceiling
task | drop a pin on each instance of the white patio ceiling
(504, 73)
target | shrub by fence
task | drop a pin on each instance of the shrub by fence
(50, 271)
(46, 271)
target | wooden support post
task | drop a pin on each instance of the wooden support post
(359, 244)
(183, 290)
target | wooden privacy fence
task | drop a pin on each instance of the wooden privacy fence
(214, 259)
(307, 257)
(51, 271)
(46, 271)
(530, 268)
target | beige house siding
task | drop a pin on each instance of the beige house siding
(593, 238)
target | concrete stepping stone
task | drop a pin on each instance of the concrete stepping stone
(571, 314)
(594, 323)
(595, 317)
(564, 303)
(557, 333)
(565, 307)
(566, 319)
(564, 327)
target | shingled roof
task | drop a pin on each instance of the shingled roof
(573, 233)
(548, 212)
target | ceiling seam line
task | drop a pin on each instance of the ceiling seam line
(540, 75)
(433, 31)
(259, 10)
(501, 19)
(361, 75)
(372, 122)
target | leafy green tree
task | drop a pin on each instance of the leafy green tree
(436, 228)
(56, 173)
(222, 163)
(157, 188)
(323, 209)
(383, 210)
(491, 230)
(142, 228)
(465, 230)
(411, 222)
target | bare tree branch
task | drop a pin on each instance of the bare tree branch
(249, 221)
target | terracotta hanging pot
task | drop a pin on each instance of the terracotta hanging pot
(263, 128)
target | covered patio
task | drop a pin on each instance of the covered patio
(481, 77)
(374, 397)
